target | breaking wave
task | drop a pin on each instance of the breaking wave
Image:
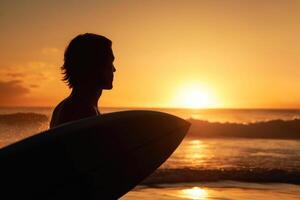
(280, 129)
(22, 118)
(162, 176)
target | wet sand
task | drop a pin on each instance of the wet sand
(224, 190)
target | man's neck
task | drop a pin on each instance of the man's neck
(90, 96)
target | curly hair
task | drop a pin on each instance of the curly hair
(82, 55)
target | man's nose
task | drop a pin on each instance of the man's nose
(114, 69)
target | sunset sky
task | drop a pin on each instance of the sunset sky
(223, 54)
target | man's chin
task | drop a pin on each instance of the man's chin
(107, 87)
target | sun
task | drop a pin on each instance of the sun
(195, 96)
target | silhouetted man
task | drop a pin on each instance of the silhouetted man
(88, 69)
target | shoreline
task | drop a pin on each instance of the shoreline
(229, 190)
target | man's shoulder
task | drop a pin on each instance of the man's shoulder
(69, 110)
(64, 105)
(70, 106)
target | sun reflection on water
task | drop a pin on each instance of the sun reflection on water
(195, 153)
(195, 193)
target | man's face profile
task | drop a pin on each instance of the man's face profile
(105, 72)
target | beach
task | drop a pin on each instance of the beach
(224, 190)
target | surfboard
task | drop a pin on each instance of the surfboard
(100, 157)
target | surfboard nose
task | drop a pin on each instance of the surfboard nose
(175, 121)
(160, 122)
(184, 124)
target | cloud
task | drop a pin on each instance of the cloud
(11, 92)
(28, 83)
(15, 74)
(34, 72)
(49, 51)
(33, 86)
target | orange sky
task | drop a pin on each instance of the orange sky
(241, 54)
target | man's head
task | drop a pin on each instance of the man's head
(88, 62)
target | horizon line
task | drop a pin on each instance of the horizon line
(170, 108)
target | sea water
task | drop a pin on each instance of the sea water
(201, 168)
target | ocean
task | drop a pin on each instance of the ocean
(228, 153)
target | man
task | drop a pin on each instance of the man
(88, 69)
